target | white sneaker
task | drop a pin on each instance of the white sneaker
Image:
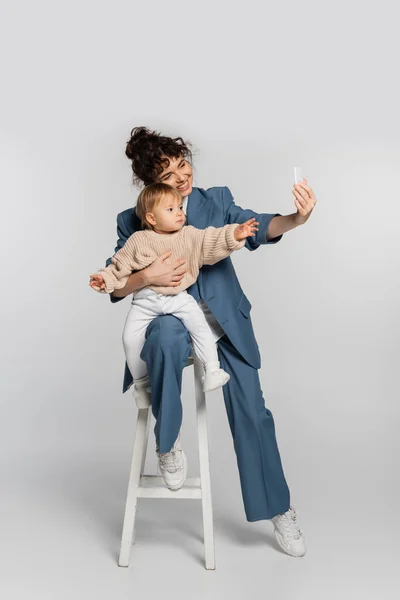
(172, 466)
(288, 534)
(142, 392)
(214, 379)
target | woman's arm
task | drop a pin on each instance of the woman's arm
(236, 214)
(305, 201)
(136, 281)
(158, 273)
(280, 224)
(272, 226)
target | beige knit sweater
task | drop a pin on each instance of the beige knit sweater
(197, 246)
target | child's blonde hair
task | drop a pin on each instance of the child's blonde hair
(151, 196)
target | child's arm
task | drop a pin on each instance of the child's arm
(220, 242)
(126, 260)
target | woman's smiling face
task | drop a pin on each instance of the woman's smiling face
(179, 174)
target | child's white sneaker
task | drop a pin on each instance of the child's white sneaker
(172, 466)
(141, 392)
(288, 534)
(214, 378)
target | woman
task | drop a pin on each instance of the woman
(156, 158)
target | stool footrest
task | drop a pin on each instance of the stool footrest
(152, 486)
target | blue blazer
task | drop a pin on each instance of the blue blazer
(217, 284)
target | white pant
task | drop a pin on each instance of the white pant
(146, 306)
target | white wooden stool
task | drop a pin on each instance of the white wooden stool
(150, 486)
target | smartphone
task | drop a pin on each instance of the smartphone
(298, 174)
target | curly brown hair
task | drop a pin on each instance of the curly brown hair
(150, 151)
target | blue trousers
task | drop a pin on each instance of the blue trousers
(166, 351)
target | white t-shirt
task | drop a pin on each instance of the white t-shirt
(215, 327)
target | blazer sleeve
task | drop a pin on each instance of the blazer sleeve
(235, 214)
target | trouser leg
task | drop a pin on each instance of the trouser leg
(264, 488)
(166, 352)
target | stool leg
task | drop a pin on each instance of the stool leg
(146, 442)
(142, 424)
(206, 500)
(145, 445)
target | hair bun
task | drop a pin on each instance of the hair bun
(138, 133)
(138, 136)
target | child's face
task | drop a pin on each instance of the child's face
(167, 216)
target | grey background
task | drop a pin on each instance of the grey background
(257, 88)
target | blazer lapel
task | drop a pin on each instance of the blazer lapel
(198, 210)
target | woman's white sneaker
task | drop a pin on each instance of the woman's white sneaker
(172, 466)
(288, 534)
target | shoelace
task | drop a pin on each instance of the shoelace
(289, 523)
(170, 462)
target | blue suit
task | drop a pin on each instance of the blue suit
(167, 348)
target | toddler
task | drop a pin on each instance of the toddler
(159, 207)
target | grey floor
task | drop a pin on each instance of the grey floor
(62, 505)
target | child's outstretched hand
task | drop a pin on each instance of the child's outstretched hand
(246, 229)
(97, 282)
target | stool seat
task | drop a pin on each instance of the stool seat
(151, 486)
